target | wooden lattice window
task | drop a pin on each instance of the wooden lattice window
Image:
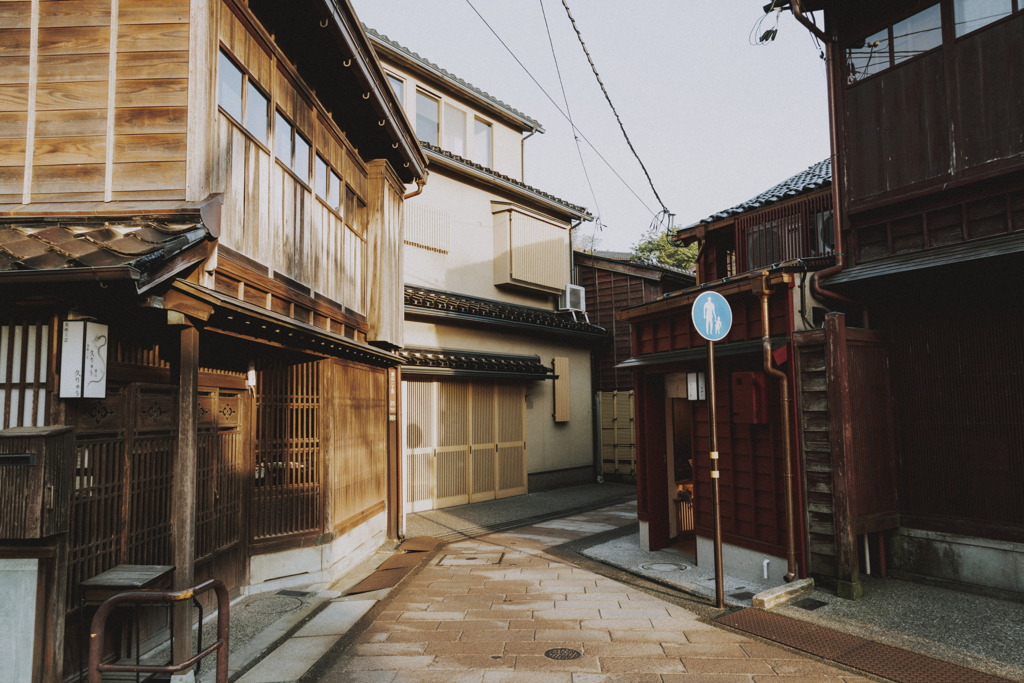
(24, 373)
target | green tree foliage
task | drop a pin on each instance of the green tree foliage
(656, 249)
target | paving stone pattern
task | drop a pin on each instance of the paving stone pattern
(492, 623)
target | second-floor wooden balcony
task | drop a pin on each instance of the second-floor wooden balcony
(780, 234)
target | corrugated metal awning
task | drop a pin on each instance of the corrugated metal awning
(700, 353)
(932, 258)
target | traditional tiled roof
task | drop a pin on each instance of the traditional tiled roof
(814, 177)
(447, 75)
(615, 255)
(423, 300)
(66, 243)
(474, 362)
(579, 210)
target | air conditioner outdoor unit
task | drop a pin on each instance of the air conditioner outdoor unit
(573, 299)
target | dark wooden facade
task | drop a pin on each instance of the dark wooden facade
(931, 178)
(613, 284)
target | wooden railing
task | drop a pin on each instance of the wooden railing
(801, 229)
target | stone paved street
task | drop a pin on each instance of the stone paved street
(486, 610)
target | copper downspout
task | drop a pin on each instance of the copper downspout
(420, 182)
(770, 368)
(837, 227)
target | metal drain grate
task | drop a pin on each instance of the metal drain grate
(881, 660)
(563, 654)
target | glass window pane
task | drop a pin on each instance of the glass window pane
(399, 87)
(350, 206)
(283, 139)
(482, 144)
(301, 166)
(256, 108)
(918, 34)
(320, 178)
(868, 57)
(970, 15)
(426, 118)
(336, 196)
(454, 130)
(229, 87)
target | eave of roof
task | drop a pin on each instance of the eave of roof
(809, 180)
(468, 90)
(637, 268)
(437, 303)
(424, 361)
(143, 248)
(453, 161)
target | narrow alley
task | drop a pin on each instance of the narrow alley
(501, 608)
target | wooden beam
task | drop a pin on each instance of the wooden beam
(183, 498)
(394, 486)
(841, 438)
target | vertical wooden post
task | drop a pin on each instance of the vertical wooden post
(183, 498)
(841, 438)
(656, 465)
(394, 490)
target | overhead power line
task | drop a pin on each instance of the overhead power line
(568, 110)
(555, 104)
(608, 97)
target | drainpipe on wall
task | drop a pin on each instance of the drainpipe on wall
(522, 154)
(420, 182)
(833, 117)
(770, 369)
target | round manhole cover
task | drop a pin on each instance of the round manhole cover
(563, 653)
(274, 605)
(663, 567)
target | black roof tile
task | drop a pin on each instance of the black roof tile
(814, 177)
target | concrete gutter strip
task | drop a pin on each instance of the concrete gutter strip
(780, 595)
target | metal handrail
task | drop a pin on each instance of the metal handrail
(97, 631)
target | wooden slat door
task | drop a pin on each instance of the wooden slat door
(483, 466)
(451, 457)
(511, 445)
(418, 420)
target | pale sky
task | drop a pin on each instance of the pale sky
(715, 119)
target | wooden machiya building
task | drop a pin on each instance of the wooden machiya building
(612, 282)
(927, 104)
(201, 276)
(760, 255)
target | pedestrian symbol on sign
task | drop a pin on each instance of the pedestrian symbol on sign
(712, 316)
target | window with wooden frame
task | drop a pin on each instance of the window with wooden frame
(896, 43)
(355, 251)
(454, 130)
(241, 99)
(328, 184)
(428, 117)
(398, 87)
(971, 15)
(483, 142)
(291, 149)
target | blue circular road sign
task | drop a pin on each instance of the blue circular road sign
(712, 316)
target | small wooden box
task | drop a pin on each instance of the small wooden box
(36, 466)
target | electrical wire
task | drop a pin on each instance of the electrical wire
(555, 104)
(664, 209)
(568, 111)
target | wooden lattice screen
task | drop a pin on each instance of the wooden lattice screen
(24, 355)
(618, 432)
(287, 498)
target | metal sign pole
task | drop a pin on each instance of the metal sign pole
(713, 420)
